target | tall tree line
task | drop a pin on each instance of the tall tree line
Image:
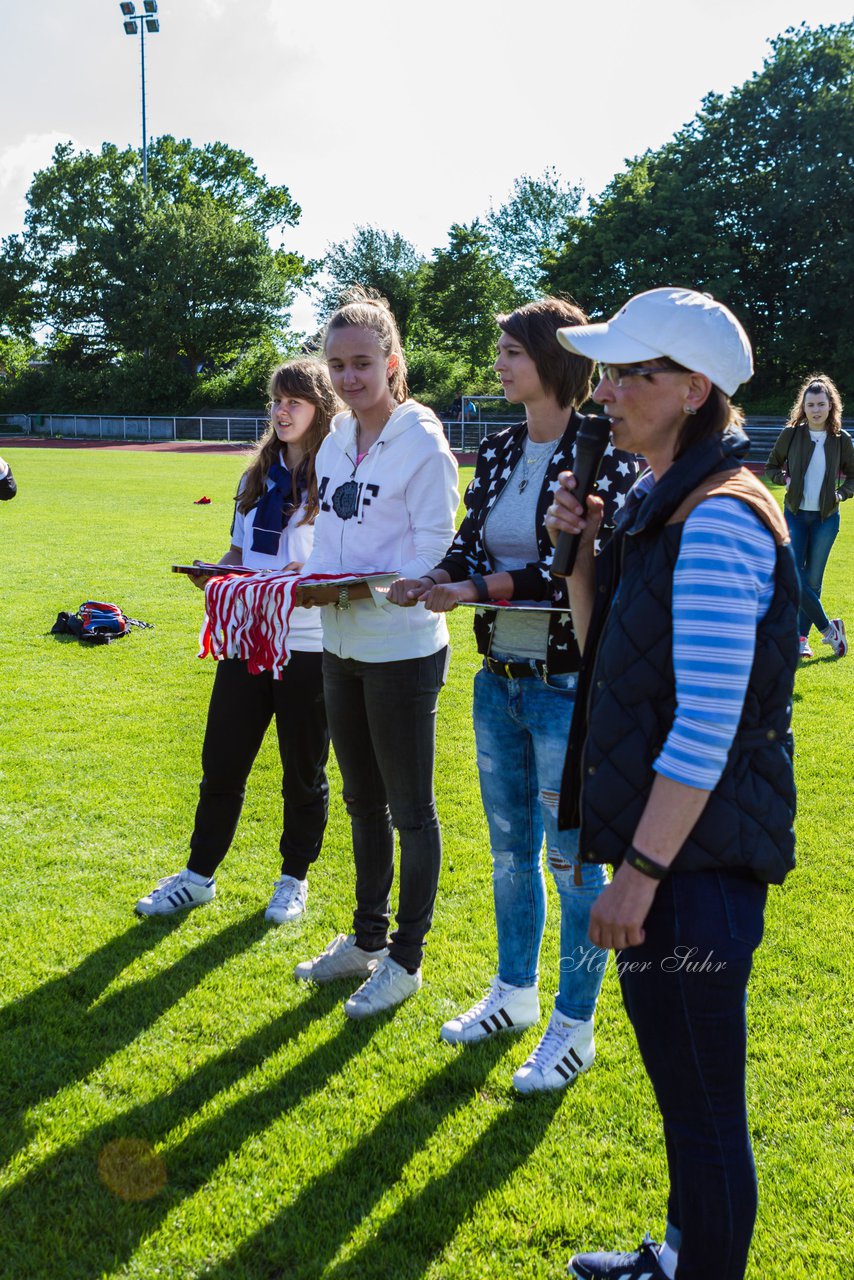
(178, 294)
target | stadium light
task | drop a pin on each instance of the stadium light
(138, 24)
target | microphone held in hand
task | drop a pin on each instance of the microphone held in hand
(592, 440)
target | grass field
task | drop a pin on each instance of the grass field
(173, 1104)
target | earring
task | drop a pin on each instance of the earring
(687, 409)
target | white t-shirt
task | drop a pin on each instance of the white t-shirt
(305, 631)
(814, 474)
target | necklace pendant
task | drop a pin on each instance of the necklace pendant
(523, 484)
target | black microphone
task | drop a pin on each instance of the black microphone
(593, 438)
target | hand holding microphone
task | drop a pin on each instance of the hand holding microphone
(570, 517)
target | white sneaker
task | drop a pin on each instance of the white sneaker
(565, 1052)
(804, 647)
(503, 1008)
(341, 959)
(835, 637)
(388, 985)
(288, 900)
(175, 893)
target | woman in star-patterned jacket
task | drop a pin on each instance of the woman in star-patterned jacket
(525, 693)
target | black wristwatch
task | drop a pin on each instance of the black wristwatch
(645, 865)
(479, 582)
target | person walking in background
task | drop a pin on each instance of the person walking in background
(814, 458)
(388, 499)
(273, 528)
(525, 692)
(685, 784)
(8, 488)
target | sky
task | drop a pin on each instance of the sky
(404, 116)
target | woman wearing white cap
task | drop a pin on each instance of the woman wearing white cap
(687, 622)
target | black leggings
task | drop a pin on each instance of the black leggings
(240, 712)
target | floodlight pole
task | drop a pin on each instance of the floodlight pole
(145, 21)
(144, 134)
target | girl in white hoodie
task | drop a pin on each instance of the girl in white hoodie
(387, 485)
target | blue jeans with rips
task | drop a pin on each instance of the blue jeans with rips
(812, 540)
(521, 729)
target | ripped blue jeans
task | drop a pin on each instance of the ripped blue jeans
(521, 730)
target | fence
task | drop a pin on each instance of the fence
(138, 427)
(463, 436)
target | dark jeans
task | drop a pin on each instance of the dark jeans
(240, 712)
(685, 991)
(812, 539)
(382, 718)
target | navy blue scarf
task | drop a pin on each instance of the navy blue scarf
(273, 511)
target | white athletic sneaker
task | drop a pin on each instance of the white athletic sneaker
(288, 900)
(503, 1008)
(341, 959)
(175, 893)
(804, 647)
(835, 637)
(388, 985)
(565, 1052)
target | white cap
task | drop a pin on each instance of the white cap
(690, 328)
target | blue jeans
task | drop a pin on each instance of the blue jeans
(521, 730)
(812, 539)
(685, 990)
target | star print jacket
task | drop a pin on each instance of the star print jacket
(497, 457)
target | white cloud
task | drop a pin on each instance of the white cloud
(18, 163)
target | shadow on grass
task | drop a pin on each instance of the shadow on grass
(302, 1240)
(61, 1222)
(52, 1037)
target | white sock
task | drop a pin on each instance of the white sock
(667, 1259)
(195, 878)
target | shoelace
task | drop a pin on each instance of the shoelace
(553, 1042)
(285, 894)
(165, 886)
(474, 1013)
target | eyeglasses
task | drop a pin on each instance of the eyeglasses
(615, 373)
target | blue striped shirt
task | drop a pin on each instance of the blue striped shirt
(722, 587)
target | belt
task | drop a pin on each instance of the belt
(515, 670)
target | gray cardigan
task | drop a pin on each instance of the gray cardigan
(791, 457)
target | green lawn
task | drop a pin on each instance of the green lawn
(282, 1139)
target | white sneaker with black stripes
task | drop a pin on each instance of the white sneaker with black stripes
(565, 1052)
(503, 1008)
(175, 893)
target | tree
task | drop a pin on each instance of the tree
(379, 260)
(530, 226)
(460, 292)
(182, 270)
(752, 201)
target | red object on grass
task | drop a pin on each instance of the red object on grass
(201, 502)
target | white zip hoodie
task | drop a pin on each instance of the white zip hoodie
(393, 513)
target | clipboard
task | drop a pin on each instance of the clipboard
(506, 606)
(204, 570)
(307, 595)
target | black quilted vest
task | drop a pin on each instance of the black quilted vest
(628, 690)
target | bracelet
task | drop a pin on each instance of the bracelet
(429, 578)
(479, 583)
(646, 866)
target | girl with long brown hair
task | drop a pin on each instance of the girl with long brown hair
(814, 458)
(273, 528)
